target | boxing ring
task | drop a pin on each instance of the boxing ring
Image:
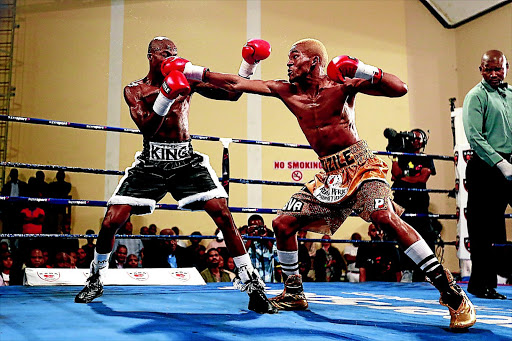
(342, 310)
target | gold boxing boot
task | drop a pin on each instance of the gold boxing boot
(292, 297)
(464, 315)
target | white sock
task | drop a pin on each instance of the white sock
(289, 261)
(423, 256)
(100, 262)
(244, 265)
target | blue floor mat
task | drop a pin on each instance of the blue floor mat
(341, 311)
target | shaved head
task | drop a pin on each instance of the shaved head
(313, 47)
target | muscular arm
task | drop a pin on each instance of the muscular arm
(236, 83)
(390, 86)
(213, 92)
(147, 121)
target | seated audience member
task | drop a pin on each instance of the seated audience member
(144, 231)
(89, 246)
(213, 271)
(35, 259)
(378, 261)
(82, 260)
(168, 254)
(152, 229)
(197, 252)
(350, 254)
(62, 261)
(134, 245)
(304, 269)
(181, 242)
(119, 257)
(132, 262)
(5, 268)
(217, 242)
(328, 263)
(230, 267)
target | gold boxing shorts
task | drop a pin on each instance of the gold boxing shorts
(353, 180)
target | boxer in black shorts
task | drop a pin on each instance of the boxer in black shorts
(159, 105)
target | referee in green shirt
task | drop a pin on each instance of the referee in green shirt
(487, 118)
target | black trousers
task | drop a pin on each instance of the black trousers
(489, 193)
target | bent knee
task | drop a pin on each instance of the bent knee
(385, 218)
(284, 225)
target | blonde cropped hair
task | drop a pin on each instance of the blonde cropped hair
(314, 47)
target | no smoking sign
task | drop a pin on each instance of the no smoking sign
(296, 175)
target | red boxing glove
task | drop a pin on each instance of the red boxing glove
(173, 63)
(253, 52)
(174, 84)
(346, 66)
(190, 70)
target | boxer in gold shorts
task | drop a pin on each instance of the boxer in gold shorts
(354, 180)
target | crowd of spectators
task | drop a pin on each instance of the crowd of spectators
(209, 255)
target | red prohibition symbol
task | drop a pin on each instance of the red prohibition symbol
(296, 175)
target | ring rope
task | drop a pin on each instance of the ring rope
(31, 120)
(165, 237)
(233, 180)
(98, 203)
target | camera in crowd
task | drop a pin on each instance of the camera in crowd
(259, 230)
(403, 141)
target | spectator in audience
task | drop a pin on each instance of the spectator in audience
(58, 189)
(213, 271)
(66, 245)
(144, 231)
(82, 260)
(304, 268)
(73, 257)
(134, 245)
(217, 242)
(260, 251)
(168, 255)
(328, 262)
(181, 242)
(243, 230)
(132, 261)
(35, 259)
(42, 186)
(12, 188)
(32, 218)
(5, 268)
(304, 253)
(229, 266)
(378, 261)
(62, 261)
(152, 229)
(197, 252)
(119, 257)
(350, 254)
(89, 246)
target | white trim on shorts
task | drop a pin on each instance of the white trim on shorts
(218, 192)
(139, 202)
(132, 201)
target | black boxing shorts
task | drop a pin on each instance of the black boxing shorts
(167, 167)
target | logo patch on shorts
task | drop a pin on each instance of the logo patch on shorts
(379, 204)
(293, 205)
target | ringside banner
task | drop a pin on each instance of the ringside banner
(138, 276)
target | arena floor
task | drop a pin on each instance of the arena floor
(342, 311)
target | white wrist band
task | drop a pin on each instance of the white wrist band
(194, 72)
(247, 70)
(162, 105)
(365, 71)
